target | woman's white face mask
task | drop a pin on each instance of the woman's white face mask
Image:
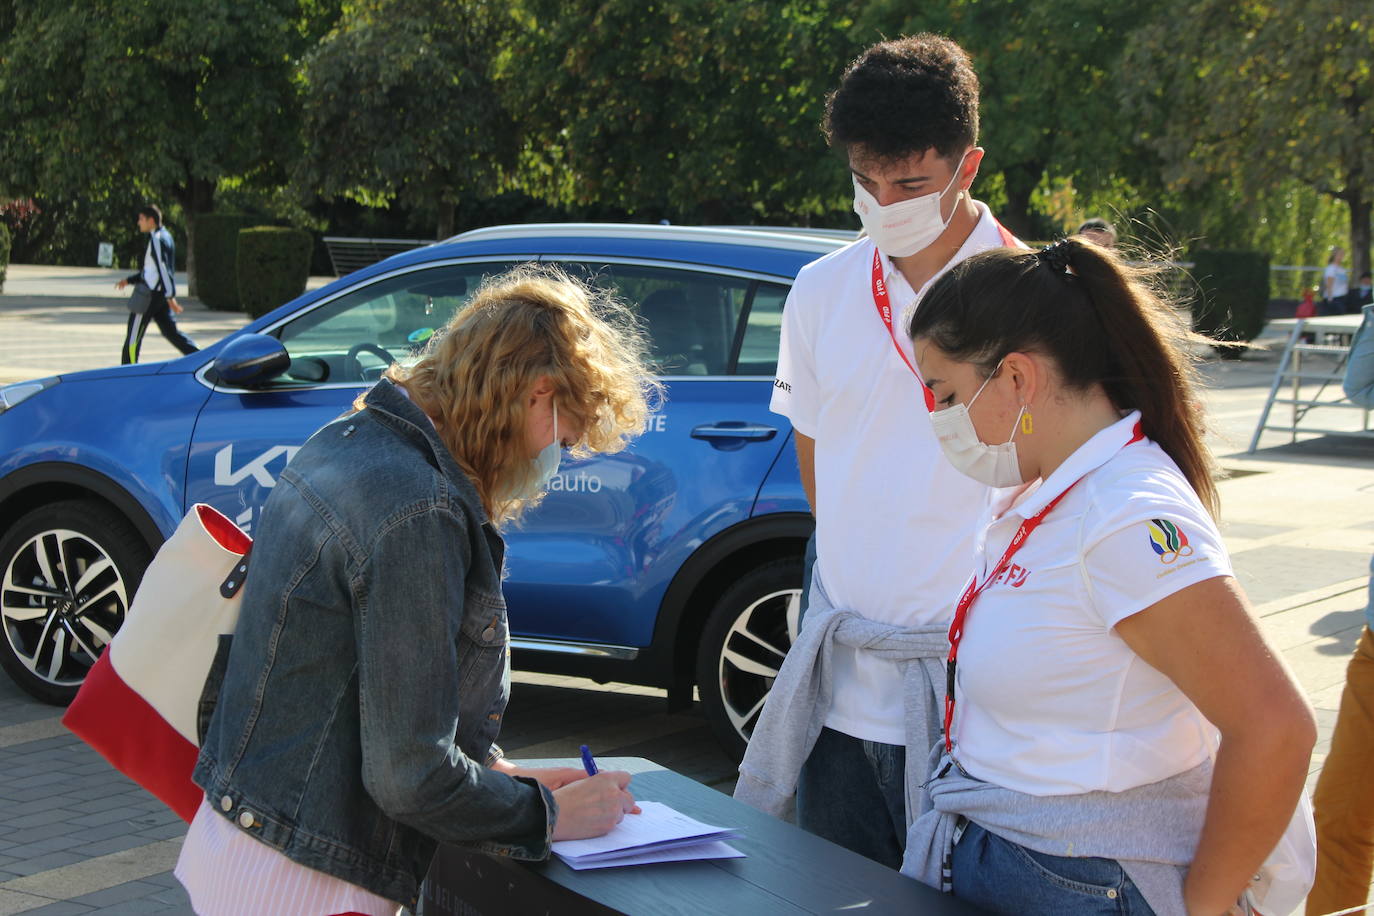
(907, 226)
(993, 465)
(542, 467)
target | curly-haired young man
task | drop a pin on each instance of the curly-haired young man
(855, 709)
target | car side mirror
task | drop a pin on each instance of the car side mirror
(250, 361)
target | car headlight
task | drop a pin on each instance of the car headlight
(19, 392)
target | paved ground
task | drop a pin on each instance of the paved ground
(76, 838)
(55, 319)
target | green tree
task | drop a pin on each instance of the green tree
(1254, 95)
(695, 110)
(399, 104)
(168, 97)
(1049, 106)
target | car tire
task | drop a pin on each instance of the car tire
(68, 572)
(742, 646)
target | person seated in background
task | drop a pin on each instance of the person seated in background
(1360, 296)
(1098, 230)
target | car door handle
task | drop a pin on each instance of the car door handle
(733, 434)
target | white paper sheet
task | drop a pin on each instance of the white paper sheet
(659, 831)
(697, 851)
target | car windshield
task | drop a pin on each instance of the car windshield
(354, 337)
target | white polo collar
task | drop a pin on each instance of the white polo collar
(1087, 458)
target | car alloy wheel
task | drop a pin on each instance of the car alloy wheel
(65, 591)
(743, 646)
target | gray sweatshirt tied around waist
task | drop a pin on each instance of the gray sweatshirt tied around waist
(800, 700)
(1151, 830)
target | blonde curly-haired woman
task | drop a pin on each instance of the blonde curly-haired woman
(357, 716)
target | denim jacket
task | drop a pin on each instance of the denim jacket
(365, 684)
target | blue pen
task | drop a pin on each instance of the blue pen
(587, 762)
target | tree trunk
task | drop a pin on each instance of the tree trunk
(445, 229)
(1359, 234)
(196, 197)
(192, 281)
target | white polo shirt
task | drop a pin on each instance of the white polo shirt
(894, 520)
(1050, 700)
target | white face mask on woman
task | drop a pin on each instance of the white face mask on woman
(904, 228)
(993, 465)
(542, 467)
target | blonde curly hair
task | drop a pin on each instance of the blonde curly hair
(474, 376)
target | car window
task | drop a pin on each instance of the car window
(355, 337)
(691, 316)
(758, 352)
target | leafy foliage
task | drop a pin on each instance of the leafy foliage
(168, 97)
(217, 254)
(1231, 123)
(400, 103)
(1233, 294)
(69, 231)
(273, 265)
(693, 110)
(1248, 93)
(1050, 87)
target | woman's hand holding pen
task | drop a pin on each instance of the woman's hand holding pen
(588, 805)
(593, 805)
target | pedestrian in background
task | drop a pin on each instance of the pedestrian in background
(1343, 803)
(1335, 283)
(157, 274)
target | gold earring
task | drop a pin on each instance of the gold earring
(1026, 423)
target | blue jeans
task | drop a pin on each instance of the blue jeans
(853, 793)
(1002, 877)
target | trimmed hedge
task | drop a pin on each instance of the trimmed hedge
(1233, 295)
(4, 253)
(273, 265)
(217, 251)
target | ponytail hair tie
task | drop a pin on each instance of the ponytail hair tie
(1056, 256)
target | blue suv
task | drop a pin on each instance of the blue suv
(675, 564)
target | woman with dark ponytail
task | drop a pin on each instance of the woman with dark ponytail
(1102, 646)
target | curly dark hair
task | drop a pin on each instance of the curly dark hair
(903, 97)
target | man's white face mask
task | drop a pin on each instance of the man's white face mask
(904, 228)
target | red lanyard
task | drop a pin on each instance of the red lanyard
(884, 306)
(971, 593)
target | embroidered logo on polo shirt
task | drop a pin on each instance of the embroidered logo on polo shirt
(1168, 540)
